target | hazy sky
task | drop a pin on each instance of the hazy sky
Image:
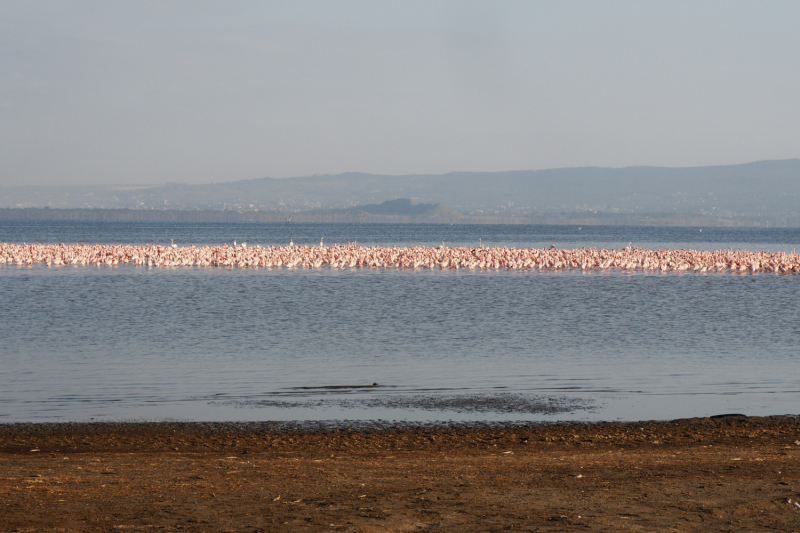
(190, 91)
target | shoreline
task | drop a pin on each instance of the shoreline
(19, 437)
(444, 216)
(730, 473)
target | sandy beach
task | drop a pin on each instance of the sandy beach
(730, 473)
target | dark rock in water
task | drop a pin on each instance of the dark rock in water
(730, 415)
(336, 387)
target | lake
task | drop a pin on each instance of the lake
(128, 343)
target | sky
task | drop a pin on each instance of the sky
(149, 92)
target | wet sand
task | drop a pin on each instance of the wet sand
(723, 474)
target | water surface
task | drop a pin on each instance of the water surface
(228, 344)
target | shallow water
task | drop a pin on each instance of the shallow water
(227, 344)
(92, 232)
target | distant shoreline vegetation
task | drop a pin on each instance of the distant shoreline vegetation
(762, 193)
(394, 213)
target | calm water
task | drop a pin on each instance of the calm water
(224, 344)
(770, 239)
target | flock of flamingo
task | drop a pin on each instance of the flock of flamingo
(352, 255)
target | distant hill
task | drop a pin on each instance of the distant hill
(400, 210)
(403, 210)
(403, 206)
(764, 192)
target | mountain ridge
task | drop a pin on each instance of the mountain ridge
(765, 190)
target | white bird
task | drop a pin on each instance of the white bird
(320, 241)
(291, 242)
(173, 243)
(234, 243)
(244, 245)
(629, 247)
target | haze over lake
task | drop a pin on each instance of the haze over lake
(765, 193)
(569, 124)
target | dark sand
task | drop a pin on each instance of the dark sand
(725, 474)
